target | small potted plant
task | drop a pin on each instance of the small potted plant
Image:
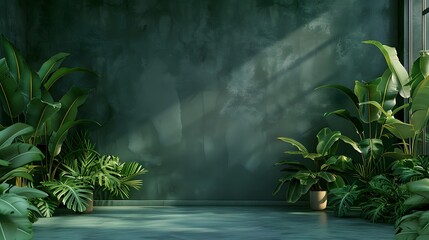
(321, 175)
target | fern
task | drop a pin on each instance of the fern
(343, 199)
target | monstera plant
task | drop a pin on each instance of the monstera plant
(14, 201)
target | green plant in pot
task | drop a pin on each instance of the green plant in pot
(321, 175)
(15, 208)
(82, 170)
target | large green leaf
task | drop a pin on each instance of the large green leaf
(51, 65)
(295, 143)
(72, 193)
(8, 135)
(293, 192)
(388, 88)
(343, 199)
(343, 113)
(38, 112)
(10, 94)
(367, 92)
(20, 172)
(61, 72)
(58, 137)
(20, 154)
(395, 66)
(346, 91)
(327, 140)
(420, 105)
(28, 192)
(327, 176)
(14, 217)
(400, 129)
(372, 148)
(70, 102)
(28, 81)
(350, 142)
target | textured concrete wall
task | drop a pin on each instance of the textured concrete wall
(12, 22)
(198, 90)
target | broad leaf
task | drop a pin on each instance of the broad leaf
(51, 65)
(295, 143)
(61, 72)
(326, 141)
(58, 137)
(8, 135)
(367, 92)
(346, 91)
(395, 66)
(388, 88)
(20, 154)
(70, 102)
(11, 96)
(372, 148)
(38, 112)
(400, 129)
(346, 115)
(293, 192)
(420, 105)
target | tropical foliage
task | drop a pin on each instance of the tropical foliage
(82, 170)
(321, 175)
(15, 208)
(416, 224)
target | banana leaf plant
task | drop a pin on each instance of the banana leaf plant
(26, 97)
(322, 175)
(14, 201)
(385, 141)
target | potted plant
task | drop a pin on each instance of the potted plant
(82, 170)
(320, 176)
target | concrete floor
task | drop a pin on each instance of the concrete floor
(249, 223)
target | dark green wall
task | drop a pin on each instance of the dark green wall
(198, 90)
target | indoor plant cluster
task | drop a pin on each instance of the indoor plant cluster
(388, 180)
(37, 170)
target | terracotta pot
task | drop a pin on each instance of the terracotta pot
(318, 200)
(90, 207)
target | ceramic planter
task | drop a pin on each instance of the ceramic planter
(90, 207)
(318, 200)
